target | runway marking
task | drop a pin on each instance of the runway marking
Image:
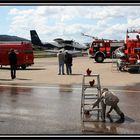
(65, 88)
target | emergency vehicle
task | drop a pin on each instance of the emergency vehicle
(24, 51)
(102, 48)
(131, 50)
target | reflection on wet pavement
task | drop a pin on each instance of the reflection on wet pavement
(55, 109)
(65, 88)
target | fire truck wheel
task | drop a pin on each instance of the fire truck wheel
(23, 67)
(99, 58)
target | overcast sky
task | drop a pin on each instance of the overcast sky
(68, 22)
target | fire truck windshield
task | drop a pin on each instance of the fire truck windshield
(133, 36)
(97, 44)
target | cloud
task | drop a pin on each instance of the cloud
(112, 12)
(13, 11)
(69, 21)
(39, 18)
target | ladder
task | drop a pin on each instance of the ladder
(89, 95)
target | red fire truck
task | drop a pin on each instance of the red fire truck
(132, 50)
(133, 45)
(24, 51)
(101, 49)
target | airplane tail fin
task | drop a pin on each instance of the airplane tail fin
(35, 38)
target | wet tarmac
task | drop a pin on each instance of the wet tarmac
(55, 110)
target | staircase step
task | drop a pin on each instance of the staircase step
(91, 94)
(93, 109)
(88, 86)
(90, 97)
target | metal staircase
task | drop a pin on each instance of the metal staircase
(89, 95)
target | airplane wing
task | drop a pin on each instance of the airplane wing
(73, 52)
(52, 51)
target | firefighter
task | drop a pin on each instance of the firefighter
(109, 99)
(122, 63)
(13, 63)
(119, 52)
(122, 58)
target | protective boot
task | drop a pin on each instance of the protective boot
(122, 118)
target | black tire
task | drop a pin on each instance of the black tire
(23, 67)
(99, 58)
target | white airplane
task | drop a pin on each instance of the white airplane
(57, 44)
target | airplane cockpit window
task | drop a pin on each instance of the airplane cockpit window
(68, 41)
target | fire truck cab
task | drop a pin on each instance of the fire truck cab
(101, 49)
(24, 51)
